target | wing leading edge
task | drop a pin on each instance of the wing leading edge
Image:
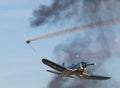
(93, 77)
(53, 65)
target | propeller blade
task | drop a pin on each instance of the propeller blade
(31, 47)
(28, 42)
(25, 38)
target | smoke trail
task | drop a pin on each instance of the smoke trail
(82, 27)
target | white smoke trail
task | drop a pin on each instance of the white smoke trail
(75, 29)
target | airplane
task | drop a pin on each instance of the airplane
(74, 69)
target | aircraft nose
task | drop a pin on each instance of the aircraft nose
(84, 65)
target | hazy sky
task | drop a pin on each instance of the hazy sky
(20, 67)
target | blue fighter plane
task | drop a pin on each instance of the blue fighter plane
(74, 69)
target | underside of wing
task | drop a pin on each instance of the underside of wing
(54, 72)
(59, 73)
(93, 77)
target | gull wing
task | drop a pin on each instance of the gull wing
(93, 77)
(53, 65)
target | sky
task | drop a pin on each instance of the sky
(20, 67)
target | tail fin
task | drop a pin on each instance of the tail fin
(63, 64)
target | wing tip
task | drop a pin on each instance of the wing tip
(103, 78)
(44, 60)
(108, 77)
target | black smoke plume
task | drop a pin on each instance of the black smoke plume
(97, 44)
(57, 10)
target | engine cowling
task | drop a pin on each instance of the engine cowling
(84, 65)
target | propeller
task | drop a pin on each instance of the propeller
(28, 42)
(84, 64)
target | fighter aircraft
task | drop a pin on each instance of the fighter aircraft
(74, 69)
